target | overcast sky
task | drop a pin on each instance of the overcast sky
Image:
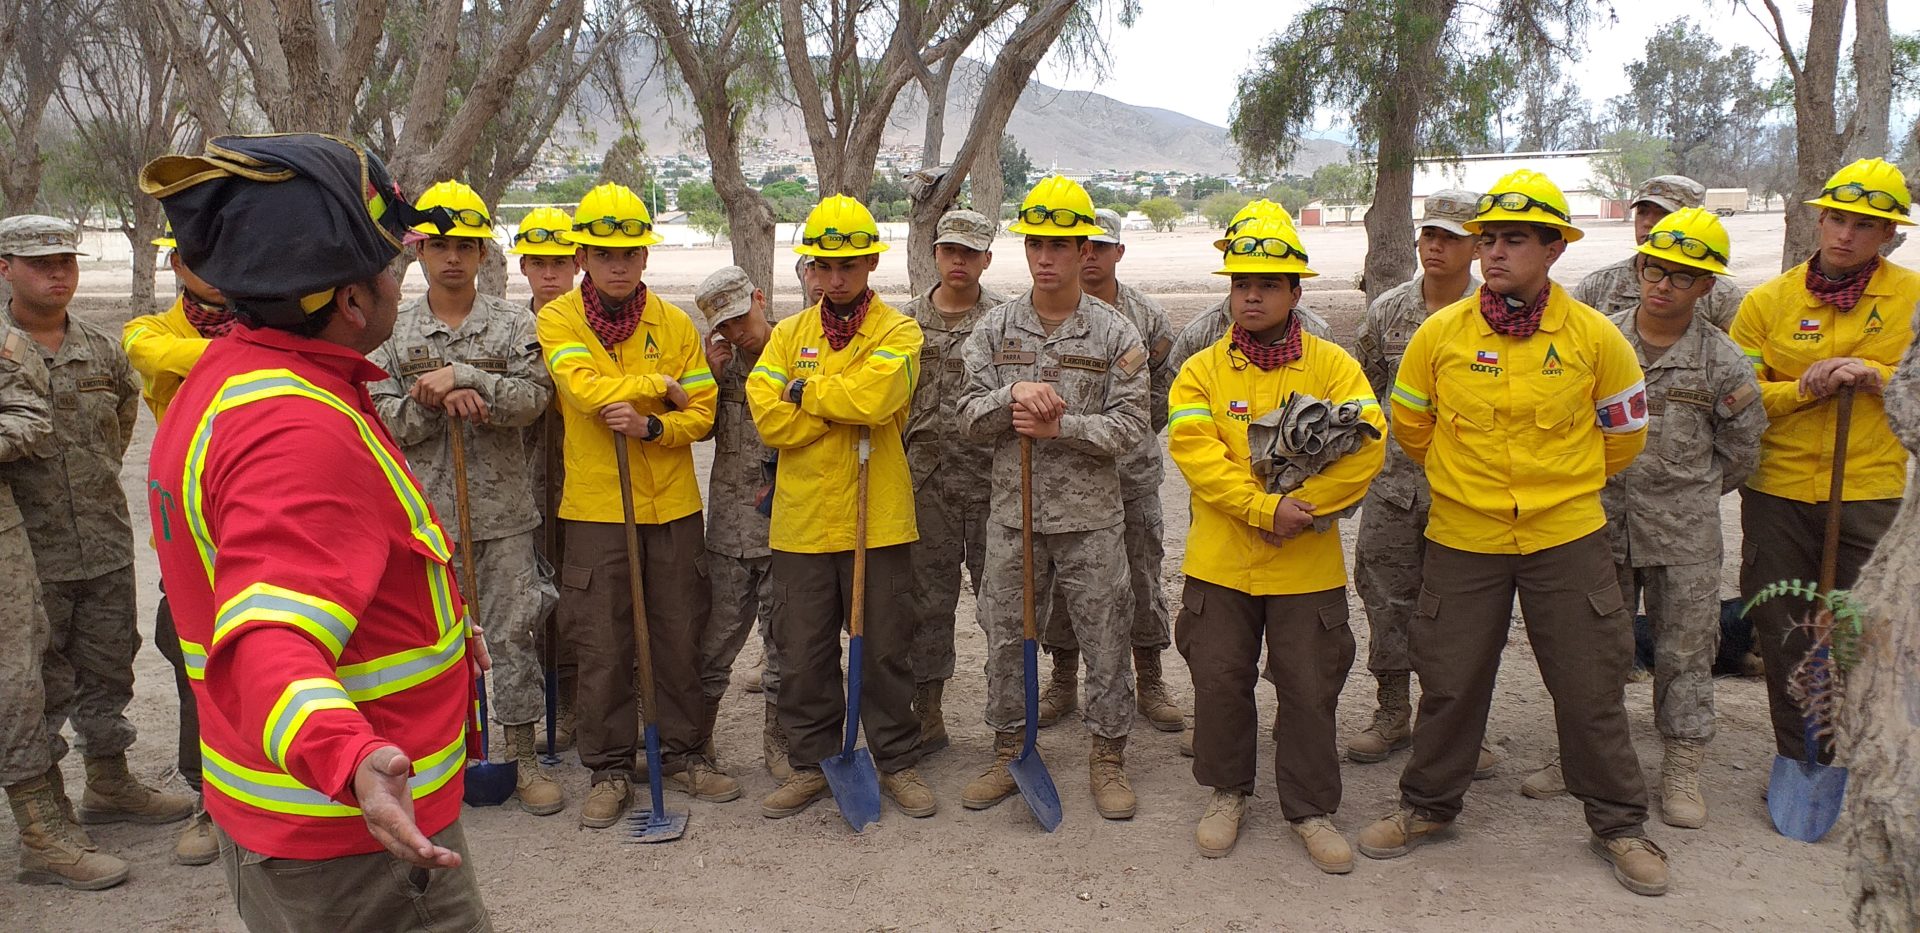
(1188, 55)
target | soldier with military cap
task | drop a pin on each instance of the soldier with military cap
(1393, 522)
(460, 360)
(1066, 372)
(1615, 288)
(77, 519)
(1842, 318)
(950, 482)
(1140, 473)
(739, 561)
(1209, 326)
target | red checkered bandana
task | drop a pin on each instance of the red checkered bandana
(840, 330)
(209, 320)
(1842, 293)
(612, 325)
(1270, 356)
(1505, 317)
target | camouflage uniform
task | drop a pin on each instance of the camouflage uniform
(739, 563)
(1141, 471)
(1615, 289)
(494, 352)
(1393, 517)
(1209, 326)
(950, 485)
(25, 426)
(1664, 510)
(1098, 363)
(82, 537)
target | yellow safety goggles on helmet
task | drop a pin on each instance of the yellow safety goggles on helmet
(1871, 187)
(1690, 236)
(1265, 246)
(1057, 207)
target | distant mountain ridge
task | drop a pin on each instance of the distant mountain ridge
(1073, 131)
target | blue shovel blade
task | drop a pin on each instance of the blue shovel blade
(1029, 772)
(851, 775)
(1805, 799)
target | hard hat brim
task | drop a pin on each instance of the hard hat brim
(1082, 228)
(459, 230)
(549, 248)
(849, 252)
(616, 241)
(1859, 207)
(1708, 264)
(1500, 215)
(1264, 265)
(166, 242)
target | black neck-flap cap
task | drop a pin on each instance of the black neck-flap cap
(277, 222)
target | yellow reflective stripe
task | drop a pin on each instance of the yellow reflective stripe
(1181, 415)
(1364, 401)
(279, 792)
(565, 350)
(1408, 397)
(890, 355)
(770, 373)
(300, 699)
(1756, 358)
(194, 658)
(440, 587)
(264, 602)
(701, 376)
(388, 675)
(377, 206)
(126, 341)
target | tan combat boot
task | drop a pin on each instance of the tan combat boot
(1326, 847)
(1638, 864)
(703, 781)
(607, 802)
(1061, 693)
(1107, 773)
(113, 795)
(795, 794)
(196, 845)
(1186, 741)
(933, 722)
(756, 677)
(1489, 762)
(1398, 833)
(909, 792)
(1546, 783)
(1681, 803)
(58, 782)
(996, 783)
(51, 850)
(1392, 717)
(1219, 827)
(539, 793)
(708, 725)
(773, 745)
(1150, 692)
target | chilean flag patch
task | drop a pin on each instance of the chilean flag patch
(1236, 408)
(1623, 412)
(1808, 324)
(1487, 357)
(809, 353)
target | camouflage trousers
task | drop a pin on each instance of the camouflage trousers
(742, 594)
(1089, 570)
(88, 667)
(1147, 612)
(509, 614)
(23, 646)
(952, 534)
(1386, 571)
(1683, 603)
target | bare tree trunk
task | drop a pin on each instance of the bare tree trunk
(148, 222)
(1880, 720)
(989, 189)
(1870, 123)
(934, 84)
(1818, 144)
(1389, 219)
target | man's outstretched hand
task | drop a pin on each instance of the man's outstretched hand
(387, 805)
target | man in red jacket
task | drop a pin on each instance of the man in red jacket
(309, 579)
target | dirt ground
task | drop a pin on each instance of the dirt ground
(1512, 863)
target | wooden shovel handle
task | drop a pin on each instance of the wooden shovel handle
(1830, 550)
(456, 435)
(636, 591)
(1029, 630)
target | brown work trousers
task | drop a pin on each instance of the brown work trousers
(371, 892)
(1781, 540)
(812, 603)
(167, 639)
(596, 618)
(1582, 637)
(1309, 651)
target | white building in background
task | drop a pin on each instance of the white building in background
(1572, 170)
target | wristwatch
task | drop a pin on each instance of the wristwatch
(799, 386)
(654, 429)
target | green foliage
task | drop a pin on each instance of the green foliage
(1014, 167)
(567, 190)
(1288, 196)
(1701, 101)
(1218, 208)
(1104, 196)
(1847, 621)
(699, 196)
(1203, 187)
(781, 173)
(710, 221)
(1635, 157)
(1342, 181)
(1162, 212)
(789, 199)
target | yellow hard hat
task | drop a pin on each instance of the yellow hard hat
(1528, 197)
(612, 215)
(1057, 206)
(1693, 237)
(1256, 210)
(1873, 187)
(545, 231)
(839, 227)
(470, 215)
(1265, 246)
(166, 240)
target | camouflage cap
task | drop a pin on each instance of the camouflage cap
(1109, 221)
(1448, 209)
(1670, 192)
(967, 228)
(724, 295)
(38, 235)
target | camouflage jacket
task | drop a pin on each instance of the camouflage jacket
(1098, 364)
(1142, 468)
(1384, 331)
(494, 352)
(1703, 438)
(734, 526)
(1616, 288)
(1210, 325)
(70, 495)
(26, 415)
(934, 443)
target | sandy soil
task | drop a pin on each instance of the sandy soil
(1513, 863)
